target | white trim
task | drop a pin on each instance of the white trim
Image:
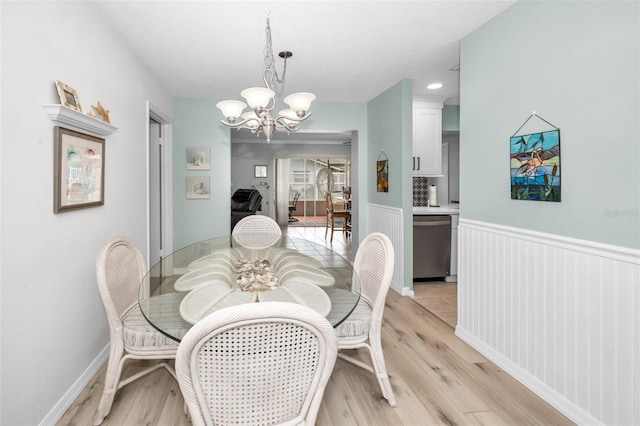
(389, 221)
(559, 314)
(609, 251)
(74, 391)
(553, 398)
(166, 124)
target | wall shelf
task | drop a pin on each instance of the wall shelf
(68, 117)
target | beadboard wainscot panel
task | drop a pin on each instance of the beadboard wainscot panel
(388, 220)
(560, 315)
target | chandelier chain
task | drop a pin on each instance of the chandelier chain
(269, 61)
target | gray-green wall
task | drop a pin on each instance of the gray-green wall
(576, 65)
(390, 136)
(197, 123)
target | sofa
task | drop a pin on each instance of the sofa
(244, 202)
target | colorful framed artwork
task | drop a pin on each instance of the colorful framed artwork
(198, 187)
(535, 166)
(78, 170)
(382, 172)
(198, 158)
(68, 96)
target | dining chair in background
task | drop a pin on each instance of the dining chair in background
(332, 215)
(373, 269)
(120, 269)
(256, 232)
(255, 364)
(292, 207)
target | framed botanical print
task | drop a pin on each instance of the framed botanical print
(198, 187)
(198, 158)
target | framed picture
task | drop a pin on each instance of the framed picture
(78, 170)
(198, 158)
(68, 96)
(198, 187)
(382, 176)
(260, 171)
(535, 166)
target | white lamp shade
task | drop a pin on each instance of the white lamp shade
(289, 113)
(300, 101)
(231, 109)
(253, 120)
(258, 97)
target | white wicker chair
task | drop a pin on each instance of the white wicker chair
(120, 268)
(256, 364)
(373, 267)
(256, 232)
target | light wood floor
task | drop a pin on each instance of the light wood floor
(437, 379)
(440, 298)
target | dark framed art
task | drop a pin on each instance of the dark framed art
(78, 170)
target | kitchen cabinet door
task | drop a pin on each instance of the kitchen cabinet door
(427, 141)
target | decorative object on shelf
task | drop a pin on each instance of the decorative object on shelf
(68, 117)
(260, 171)
(78, 170)
(198, 187)
(535, 163)
(198, 158)
(103, 113)
(382, 172)
(68, 96)
(262, 101)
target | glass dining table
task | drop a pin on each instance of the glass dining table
(213, 274)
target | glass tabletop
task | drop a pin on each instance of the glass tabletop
(204, 277)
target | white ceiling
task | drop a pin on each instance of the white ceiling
(343, 51)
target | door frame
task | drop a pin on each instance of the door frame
(166, 126)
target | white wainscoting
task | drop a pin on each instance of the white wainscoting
(388, 220)
(560, 315)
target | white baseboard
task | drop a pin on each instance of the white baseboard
(78, 386)
(553, 398)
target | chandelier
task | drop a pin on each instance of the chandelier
(262, 101)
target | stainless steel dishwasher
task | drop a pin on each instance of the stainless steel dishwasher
(431, 246)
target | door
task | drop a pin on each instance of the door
(160, 186)
(155, 192)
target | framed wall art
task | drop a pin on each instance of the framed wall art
(260, 171)
(198, 187)
(198, 158)
(535, 164)
(78, 170)
(382, 173)
(68, 96)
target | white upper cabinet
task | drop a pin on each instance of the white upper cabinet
(427, 138)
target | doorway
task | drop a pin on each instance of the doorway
(159, 184)
(307, 180)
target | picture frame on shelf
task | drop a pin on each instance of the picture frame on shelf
(78, 170)
(260, 171)
(198, 187)
(68, 96)
(198, 158)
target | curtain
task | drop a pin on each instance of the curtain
(282, 191)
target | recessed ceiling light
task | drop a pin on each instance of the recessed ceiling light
(434, 86)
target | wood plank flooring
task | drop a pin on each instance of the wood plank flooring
(439, 298)
(436, 377)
